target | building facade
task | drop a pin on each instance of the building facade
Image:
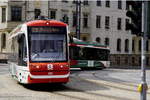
(101, 21)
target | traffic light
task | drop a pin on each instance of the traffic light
(135, 13)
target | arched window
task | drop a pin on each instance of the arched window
(147, 61)
(3, 41)
(107, 41)
(126, 45)
(139, 60)
(139, 45)
(98, 40)
(84, 39)
(118, 60)
(133, 45)
(147, 45)
(118, 44)
(133, 60)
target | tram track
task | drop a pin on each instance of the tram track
(101, 95)
(121, 83)
(71, 90)
(104, 82)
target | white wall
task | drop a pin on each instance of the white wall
(113, 33)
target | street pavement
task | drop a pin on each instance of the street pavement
(107, 84)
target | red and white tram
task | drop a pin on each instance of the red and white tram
(39, 52)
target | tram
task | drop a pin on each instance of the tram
(39, 52)
(88, 55)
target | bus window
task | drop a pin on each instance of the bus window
(97, 54)
(22, 51)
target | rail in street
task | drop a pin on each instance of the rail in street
(107, 84)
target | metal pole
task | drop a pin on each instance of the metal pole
(76, 18)
(25, 10)
(143, 58)
(48, 9)
(79, 18)
(78, 11)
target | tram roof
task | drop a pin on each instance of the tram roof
(94, 44)
(45, 23)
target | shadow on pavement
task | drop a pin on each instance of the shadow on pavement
(75, 85)
(129, 67)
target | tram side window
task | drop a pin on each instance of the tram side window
(22, 51)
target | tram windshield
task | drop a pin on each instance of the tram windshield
(48, 44)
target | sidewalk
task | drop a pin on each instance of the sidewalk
(119, 91)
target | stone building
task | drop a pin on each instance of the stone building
(101, 21)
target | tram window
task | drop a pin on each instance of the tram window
(22, 51)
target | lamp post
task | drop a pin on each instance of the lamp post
(143, 84)
(78, 18)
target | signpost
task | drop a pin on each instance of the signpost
(143, 85)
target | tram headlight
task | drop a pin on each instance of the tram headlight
(34, 66)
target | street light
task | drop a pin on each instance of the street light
(78, 18)
(143, 85)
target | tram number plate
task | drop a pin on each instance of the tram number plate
(90, 63)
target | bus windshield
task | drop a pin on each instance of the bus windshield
(85, 53)
(48, 44)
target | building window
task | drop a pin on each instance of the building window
(65, 1)
(74, 1)
(118, 60)
(133, 45)
(119, 45)
(98, 3)
(107, 3)
(147, 45)
(139, 60)
(119, 4)
(140, 45)
(127, 5)
(119, 24)
(37, 13)
(53, 14)
(133, 60)
(107, 21)
(16, 13)
(98, 21)
(3, 15)
(74, 20)
(126, 45)
(3, 41)
(85, 2)
(85, 20)
(84, 39)
(126, 60)
(147, 61)
(98, 40)
(107, 41)
(127, 23)
(65, 19)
